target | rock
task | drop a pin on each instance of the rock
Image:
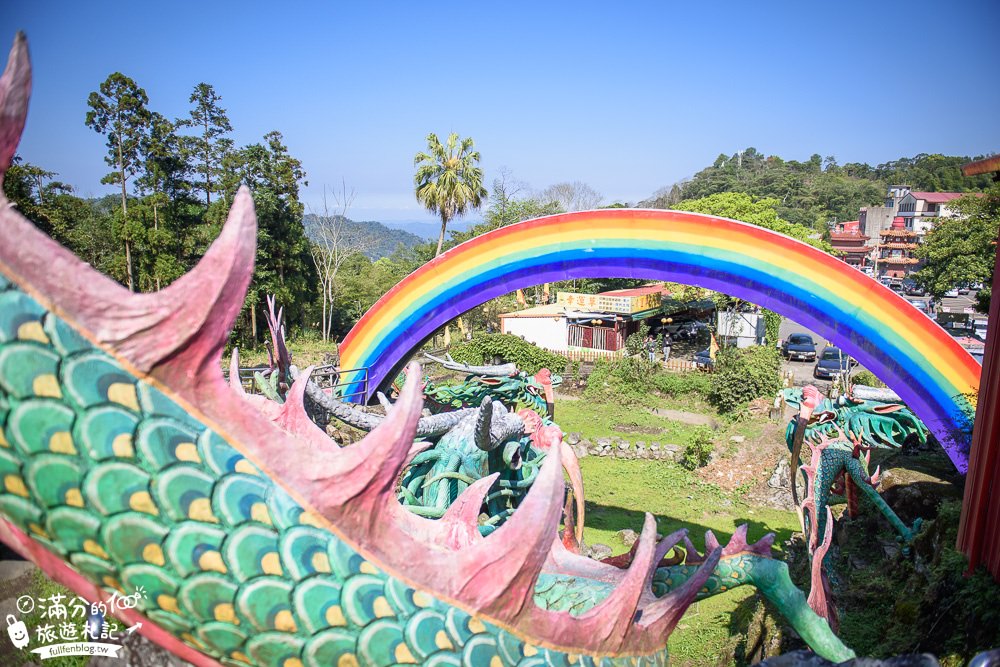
(640, 444)
(580, 451)
(654, 447)
(738, 439)
(623, 446)
(603, 443)
(628, 536)
(780, 478)
(673, 448)
(599, 551)
(573, 438)
(914, 494)
(666, 455)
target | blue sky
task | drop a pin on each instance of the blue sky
(626, 97)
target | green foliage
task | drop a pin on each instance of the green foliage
(676, 385)
(756, 211)
(961, 249)
(818, 191)
(772, 325)
(636, 381)
(208, 147)
(741, 375)
(925, 603)
(447, 181)
(635, 342)
(698, 449)
(484, 348)
(866, 378)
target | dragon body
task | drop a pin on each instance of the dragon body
(505, 383)
(127, 461)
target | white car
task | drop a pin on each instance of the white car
(953, 292)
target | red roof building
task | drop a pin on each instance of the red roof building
(894, 256)
(847, 239)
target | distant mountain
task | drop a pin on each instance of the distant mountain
(382, 239)
(429, 230)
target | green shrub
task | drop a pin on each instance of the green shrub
(698, 449)
(634, 343)
(679, 384)
(528, 357)
(867, 378)
(742, 375)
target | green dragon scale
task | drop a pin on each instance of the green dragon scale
(127, 461)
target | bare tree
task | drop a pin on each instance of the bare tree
(575, 196)
(334, 242)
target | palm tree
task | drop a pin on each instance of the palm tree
(447, 181)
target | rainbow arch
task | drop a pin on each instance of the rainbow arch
(904, 348)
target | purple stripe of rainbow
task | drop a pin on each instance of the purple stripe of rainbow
(904, 348)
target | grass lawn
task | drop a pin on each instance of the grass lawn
(618, 492)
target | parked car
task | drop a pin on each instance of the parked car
(799, 346)
(920, 305)
(951, 293)
(831, 363)
(704, 360)
(912, 288)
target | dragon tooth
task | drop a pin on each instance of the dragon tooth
(572, 467)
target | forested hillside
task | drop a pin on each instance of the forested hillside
(375, 239)
(819, 191)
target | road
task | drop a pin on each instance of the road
(802, 371)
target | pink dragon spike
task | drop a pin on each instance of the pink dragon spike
(711, 543)
(563, 561)
(367, 471)
(868, 457)
(292, 415)
(666, 545)
(462, 518)
(15, 89)
(877, 477)
(661, 616)
(692, 555)
(176, 335)
(498, 574)
(738, 542)
(763, 546)
(817, 594)
(269, 409)
(618, 609)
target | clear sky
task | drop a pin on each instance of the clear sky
(626, 97)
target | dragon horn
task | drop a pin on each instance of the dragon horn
(572, 467)
(661, 616)
(15, 89)
(877, 477)
(384, 401)
(234, 372)
(483, 422)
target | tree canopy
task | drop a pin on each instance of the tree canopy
(447, 181)
(961, 250)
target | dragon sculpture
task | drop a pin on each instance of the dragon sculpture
(127, 461)
(504, 382)
(841, 434)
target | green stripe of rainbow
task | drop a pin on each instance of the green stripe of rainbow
(908, 351)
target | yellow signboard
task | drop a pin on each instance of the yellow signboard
(605, 303)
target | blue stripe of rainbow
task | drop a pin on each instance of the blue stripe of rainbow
(909, 352)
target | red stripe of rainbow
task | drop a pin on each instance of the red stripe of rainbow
(912, 354)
